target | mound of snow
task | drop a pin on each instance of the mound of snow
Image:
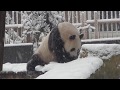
(77, 69)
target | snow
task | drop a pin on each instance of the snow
(77, 69)
(14, 26)
(16, 67)
(103, 51)
(19, 44)
(80, 68)
(105, 20)
(101, 39)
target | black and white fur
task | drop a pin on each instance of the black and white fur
(62, 44)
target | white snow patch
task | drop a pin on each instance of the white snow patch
(103, 51)
(19, 44)
(16, 67)
(14, 26)
(101, 39)
(77, 69)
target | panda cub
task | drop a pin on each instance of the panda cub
(62, 45)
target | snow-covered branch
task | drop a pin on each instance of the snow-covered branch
(13, 26)
(86, 27)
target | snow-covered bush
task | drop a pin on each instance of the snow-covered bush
(37, 23)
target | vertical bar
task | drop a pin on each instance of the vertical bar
(89, 15)
(13, 23)
(7, 13)
(107, 23)
(2, 35)
(86, 30)
(21, 13)
(80, 16)
(72, 16)
(69, 15)
(112, 23)
(76, 16)
(96, 24)
(89, 18)
(17, 21)
(13, 17)
(116, 29)
(103, 24)
(82, 21)
(64, 15)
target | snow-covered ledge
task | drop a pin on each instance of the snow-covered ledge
(19, 44)
(115, 40)
(110, 55)
(103, 51)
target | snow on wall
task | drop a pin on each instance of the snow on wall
(101, 39)
(103, 51)
(20, 44)
(16, 67)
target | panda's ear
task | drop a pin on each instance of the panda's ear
(81, 35)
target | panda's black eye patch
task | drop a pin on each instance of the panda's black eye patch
(73, 49)
(72, 37)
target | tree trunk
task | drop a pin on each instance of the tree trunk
(2, 33)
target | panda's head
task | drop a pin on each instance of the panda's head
(65, 41)
(71, 38)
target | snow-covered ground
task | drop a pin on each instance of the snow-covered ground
(80, 68)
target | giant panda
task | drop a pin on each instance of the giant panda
(61, 45)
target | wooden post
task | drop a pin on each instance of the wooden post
(76, 16)
(96, 24)
(83, 20)
(72, 16)
(69, 15)
(112, 23)
(2, 34)
(86, 30)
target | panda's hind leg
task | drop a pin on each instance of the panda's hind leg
(35, 60)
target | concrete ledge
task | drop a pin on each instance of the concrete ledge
(105, 40)
(17, 53)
